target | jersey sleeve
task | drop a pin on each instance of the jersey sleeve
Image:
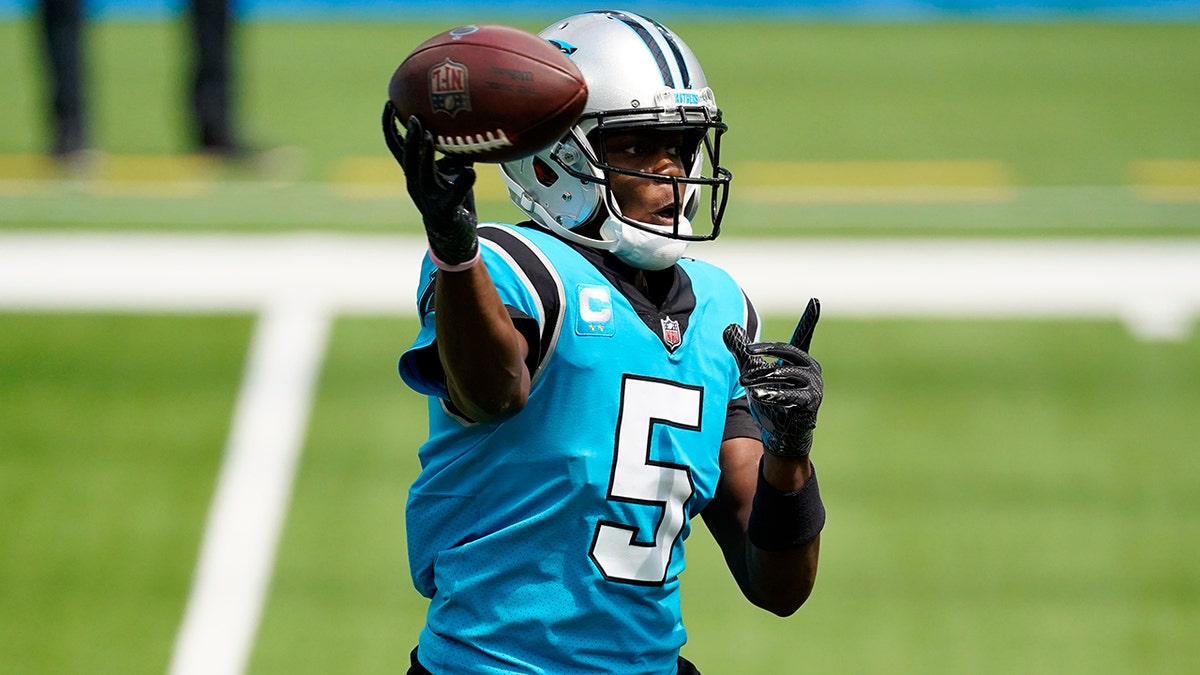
(738, 421)
(420, 367)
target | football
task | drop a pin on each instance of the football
(489, 92)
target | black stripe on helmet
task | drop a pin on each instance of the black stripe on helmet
(647, 37)
(670, 38)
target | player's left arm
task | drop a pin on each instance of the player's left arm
(767, 513)
(776, 580)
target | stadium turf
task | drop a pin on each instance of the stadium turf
(944, 128)
(1004, 497)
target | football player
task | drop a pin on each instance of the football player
(591, 390)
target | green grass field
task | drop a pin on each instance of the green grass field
(1004, 497)
(1078, 128)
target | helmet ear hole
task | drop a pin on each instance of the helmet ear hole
(545, 175)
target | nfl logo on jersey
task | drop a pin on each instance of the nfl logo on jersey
(671, 335)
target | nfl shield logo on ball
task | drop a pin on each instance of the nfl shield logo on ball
(448, 87)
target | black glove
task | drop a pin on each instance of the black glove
(784, 395)
(441, 190)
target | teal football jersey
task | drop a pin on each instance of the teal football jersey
(553, 542)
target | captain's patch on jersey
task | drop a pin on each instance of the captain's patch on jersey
(595, 311)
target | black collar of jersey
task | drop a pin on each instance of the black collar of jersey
(668, 298)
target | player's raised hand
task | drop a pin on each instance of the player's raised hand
(802, 336)
(783, 384)
(441, 191)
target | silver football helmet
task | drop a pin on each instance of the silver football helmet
(640, 76)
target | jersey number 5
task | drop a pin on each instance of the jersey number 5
(637, 479)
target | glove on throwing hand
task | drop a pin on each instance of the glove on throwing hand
(441, 190)
(784, 394)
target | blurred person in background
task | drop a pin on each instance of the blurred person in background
(211, 25)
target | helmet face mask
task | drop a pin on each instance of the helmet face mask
(700, 148)
(642, 79)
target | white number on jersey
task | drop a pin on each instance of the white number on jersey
(638, 479)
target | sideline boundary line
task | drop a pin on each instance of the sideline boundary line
(1151, 285)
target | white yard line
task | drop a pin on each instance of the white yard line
(254, 488)
(298, 282)
(205, 272)
(1152, 286)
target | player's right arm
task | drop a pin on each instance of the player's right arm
(481, 351)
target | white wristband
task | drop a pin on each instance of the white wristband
(457, 267)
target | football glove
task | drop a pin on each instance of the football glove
(440, 189)
(785, 390)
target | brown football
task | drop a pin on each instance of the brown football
(491, 93)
